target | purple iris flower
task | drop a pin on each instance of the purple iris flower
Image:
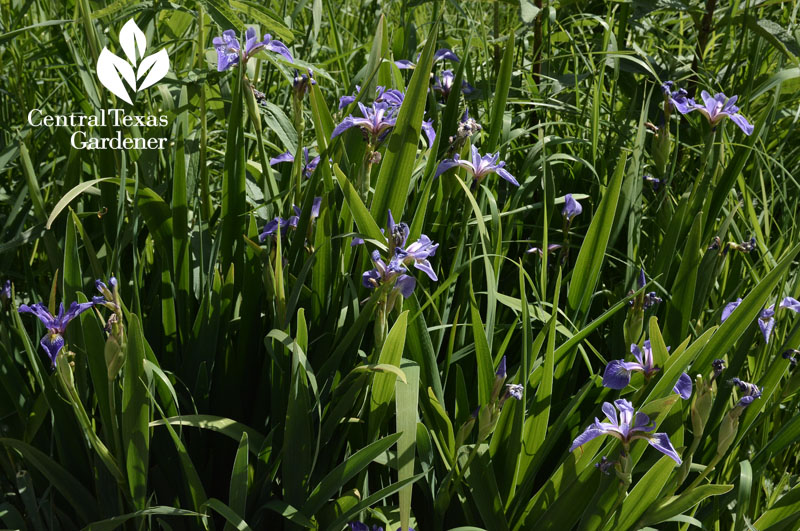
(444, 84)
(284, 224)
(384, 273)
(766, 322)
(376, 122)
(715, 108)
(415, 254)
(789, 302)
(618, 372)
(751, 392)
(308, 167)
(430, 132)
(684, 386)
(53, 341)
(571, 208)
(790, 355)
(550, 248)
(5, 291)
(480, 166)
(229, 49)
(344, 101)
(728, 309)
(628, 427)
(402, 257)
(439, 55)
(393, 97)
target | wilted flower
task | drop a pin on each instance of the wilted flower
(744, 247)
(514, 391)
(439, 55)
(618, 372)
(684, 386)
(571, 208)
(291, 222)
(654, 182)
(728, 309)
(53, 340)
(718, 365)
(480, 166)
(716, 243)
(444, 84)
(302, 82)
(308, 167)
(229, 50)
(766, 322)
(790, 355)
(466, 128)
(627, 428)
(751, 392)
(604, 465)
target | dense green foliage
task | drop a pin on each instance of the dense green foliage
(256, 383)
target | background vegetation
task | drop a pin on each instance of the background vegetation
(246, 383)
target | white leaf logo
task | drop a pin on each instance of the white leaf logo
(112, 69)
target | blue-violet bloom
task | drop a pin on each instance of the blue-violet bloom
(439, 55)
(715, 108)
(480, 166)
(53, 340)
(444, 84)
(627, 428)
(308, 167)
(728, 309)
(684, 386)
(789, 302)
(766, 322)
(384, 273)
(291, 222)
(229, 49)
(618, 372)
(571, 208)
(376, 122)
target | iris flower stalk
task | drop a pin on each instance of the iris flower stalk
(230, 53)
(53, 343)
(393, 273)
